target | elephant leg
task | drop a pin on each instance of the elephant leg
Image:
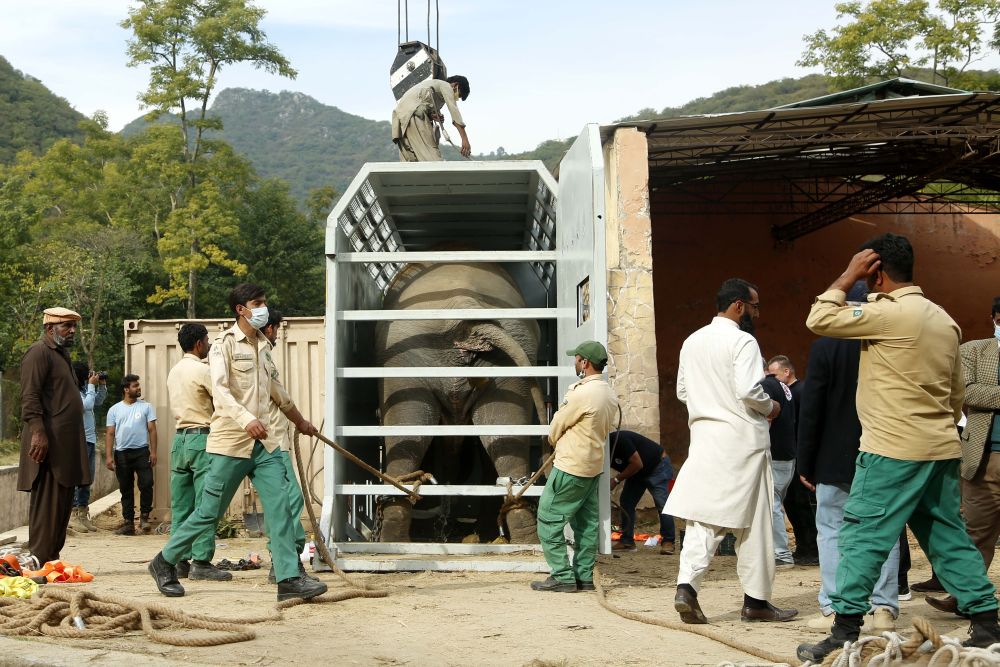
(404, 404)
(509, 403)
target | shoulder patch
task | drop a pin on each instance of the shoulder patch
(857, 312)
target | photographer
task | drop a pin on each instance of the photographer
(93, 390)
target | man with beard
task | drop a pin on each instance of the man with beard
(53, 449)
(725, 484)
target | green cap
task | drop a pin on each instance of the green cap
(590, 350)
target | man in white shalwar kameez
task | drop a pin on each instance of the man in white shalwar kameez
(725, 485)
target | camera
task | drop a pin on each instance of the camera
(102, 375)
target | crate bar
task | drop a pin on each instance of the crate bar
(451, 256)
(434, 490)
(398, 564)
(492, 429)
(434, 548)
(454, 372)
(452, 314)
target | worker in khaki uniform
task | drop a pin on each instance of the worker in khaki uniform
(284, 430)
(239, 445)
(413, 119)
(910, 395)
(189, 386)
(579, 431)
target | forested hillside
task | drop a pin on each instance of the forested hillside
(296, 138)
(31, 116)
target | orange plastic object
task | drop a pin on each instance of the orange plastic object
(58, 572)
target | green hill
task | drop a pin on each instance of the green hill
(296, 138)
(31, 116)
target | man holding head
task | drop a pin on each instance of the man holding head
(578, 432)
(189, 386)
(53, 449)
(725, 485)
(241, 444)
(910, 395)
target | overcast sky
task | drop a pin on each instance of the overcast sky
(538, 70)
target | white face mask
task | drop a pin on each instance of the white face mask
(996, 331)
(258, 317)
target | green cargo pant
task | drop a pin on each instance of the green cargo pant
(888, 493)
(268, 473)
(573, 500)
(188, 469)
(295, 506)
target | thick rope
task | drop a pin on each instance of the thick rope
(358, 589)
(83, 614)
(703, 630)
(894, 649)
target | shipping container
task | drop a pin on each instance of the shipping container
(151, 350)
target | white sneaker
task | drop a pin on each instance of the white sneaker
(882, 620)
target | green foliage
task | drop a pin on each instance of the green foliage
(10, 452)
(186, 43)
(31, 117)
(890, 38)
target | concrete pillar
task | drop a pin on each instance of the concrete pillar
(631, 322)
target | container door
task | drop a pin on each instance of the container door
(582, 273)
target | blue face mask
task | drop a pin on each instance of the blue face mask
(258, 317)
(996, 331)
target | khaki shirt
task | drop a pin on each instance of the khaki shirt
(242, 391)
(910, 384)
(278, 423)
(421, 101)
(580, 427)
(189, 387)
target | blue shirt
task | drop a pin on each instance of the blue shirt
(130, 422)
(92, 398)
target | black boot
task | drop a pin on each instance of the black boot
(300, 587)
(165, 576)
(984, 631)
(302, 573)
(183, 568)
(204, 570)
(845, 629)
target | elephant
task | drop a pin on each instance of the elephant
(456, 401)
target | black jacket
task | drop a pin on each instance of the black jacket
(782, 430)
(829, 430)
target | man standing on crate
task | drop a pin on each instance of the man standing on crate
(413, 129)
(578, 432)
(240, 445)
(189, 386)
(725, 485)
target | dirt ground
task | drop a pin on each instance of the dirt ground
(444, 618)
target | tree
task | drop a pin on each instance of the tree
(187, 43)
(890, 38)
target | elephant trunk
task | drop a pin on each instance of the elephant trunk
(502, 341)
